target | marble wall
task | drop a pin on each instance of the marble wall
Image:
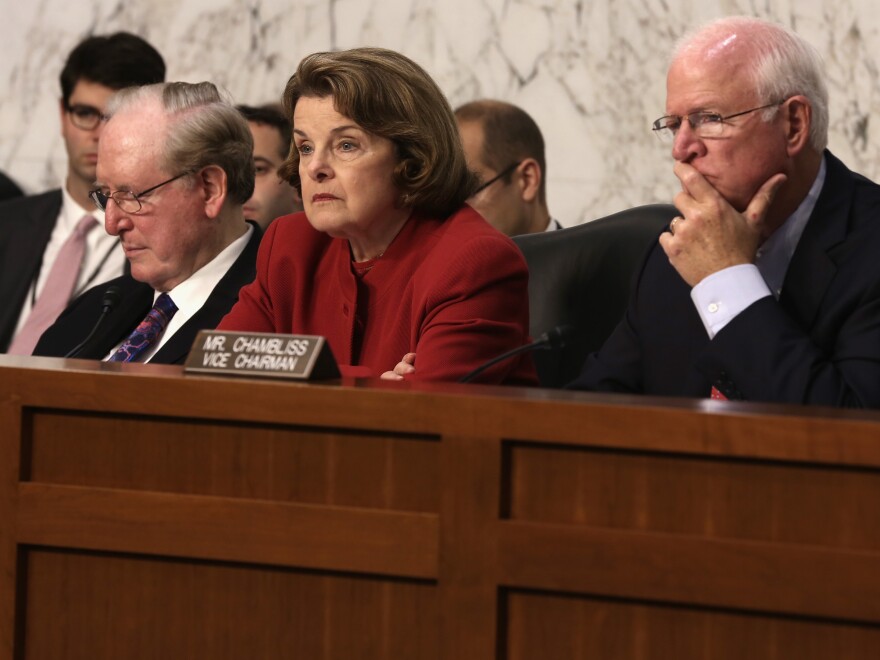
(591, 72)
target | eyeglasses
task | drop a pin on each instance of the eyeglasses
(503, 173)
(704, 124)
(86, 117)
(128, 201)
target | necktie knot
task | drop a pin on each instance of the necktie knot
(148, 331)
(86, 224)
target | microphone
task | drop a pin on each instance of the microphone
(112, 297)
(556, 337)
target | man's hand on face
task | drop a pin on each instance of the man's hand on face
(711, 235)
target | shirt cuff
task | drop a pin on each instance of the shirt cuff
(721, 296)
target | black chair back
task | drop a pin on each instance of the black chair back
(581, 276)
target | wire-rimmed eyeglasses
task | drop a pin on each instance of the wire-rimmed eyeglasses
(503, 173)
(704, 124)
(127, 200)
(86, 117)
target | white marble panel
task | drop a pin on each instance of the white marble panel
(591, 73)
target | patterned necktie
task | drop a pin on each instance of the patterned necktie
(148, 331)
(57, 289)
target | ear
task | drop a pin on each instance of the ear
(529, 173)
(213, 184)
(798, 115)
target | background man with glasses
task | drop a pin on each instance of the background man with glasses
(766, 287)
(175, 168)
(35, 230)
(504, 146)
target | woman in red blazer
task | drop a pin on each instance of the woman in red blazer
(387, 260)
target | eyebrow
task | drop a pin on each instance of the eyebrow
(338, 129)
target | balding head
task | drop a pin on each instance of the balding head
(777, 62)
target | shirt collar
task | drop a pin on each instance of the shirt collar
(71, 212)
(191, 294)
(775, 254)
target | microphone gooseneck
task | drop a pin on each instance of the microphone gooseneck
(112, 297)
(556, 337)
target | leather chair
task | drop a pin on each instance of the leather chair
(582, 276)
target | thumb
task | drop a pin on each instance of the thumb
(758, 207)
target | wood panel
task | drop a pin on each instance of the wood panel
(595, 628)
(144, 513)
(707, 496)
(217, 457)
(87, 606)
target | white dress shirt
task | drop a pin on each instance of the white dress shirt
(191, 294)
(722, 296)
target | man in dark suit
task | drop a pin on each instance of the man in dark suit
(8, 188)
(34, 229)
(504, 146)
(175, 167)
(766, 286)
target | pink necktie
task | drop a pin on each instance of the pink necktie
(57, 289)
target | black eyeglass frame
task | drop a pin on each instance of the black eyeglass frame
(95, 116)
(101, 200)
(699, 119)
(503, 173)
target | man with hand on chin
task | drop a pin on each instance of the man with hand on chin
(764, 286)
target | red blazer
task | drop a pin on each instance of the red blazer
(453, 291)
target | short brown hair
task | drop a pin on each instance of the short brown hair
(389, 95)
(509, 135)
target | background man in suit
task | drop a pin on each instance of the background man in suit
(504, 146)
(33, 230)
(273, 197)
(8, 188)
(175, 167)
(766, 286)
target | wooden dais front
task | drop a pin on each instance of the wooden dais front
(148, 514)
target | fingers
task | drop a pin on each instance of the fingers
(757, 208)
(403, 368)
(692, 182)
(406, 365)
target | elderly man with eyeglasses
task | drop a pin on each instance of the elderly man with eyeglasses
(175, 167)
(52, 246)
(765, 287)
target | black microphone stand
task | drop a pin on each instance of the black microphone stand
(554, 338)
(112, 296)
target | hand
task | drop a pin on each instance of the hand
(404, 367)
(711, 235)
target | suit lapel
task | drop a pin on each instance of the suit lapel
(221, 300)
(812, 266)
(25, 228)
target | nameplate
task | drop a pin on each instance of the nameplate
(302, 357)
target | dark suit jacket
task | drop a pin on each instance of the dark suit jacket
(8, 188)
(26, 225)
(75, 323)
(820, 343)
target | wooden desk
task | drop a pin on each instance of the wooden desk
(147, 514)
